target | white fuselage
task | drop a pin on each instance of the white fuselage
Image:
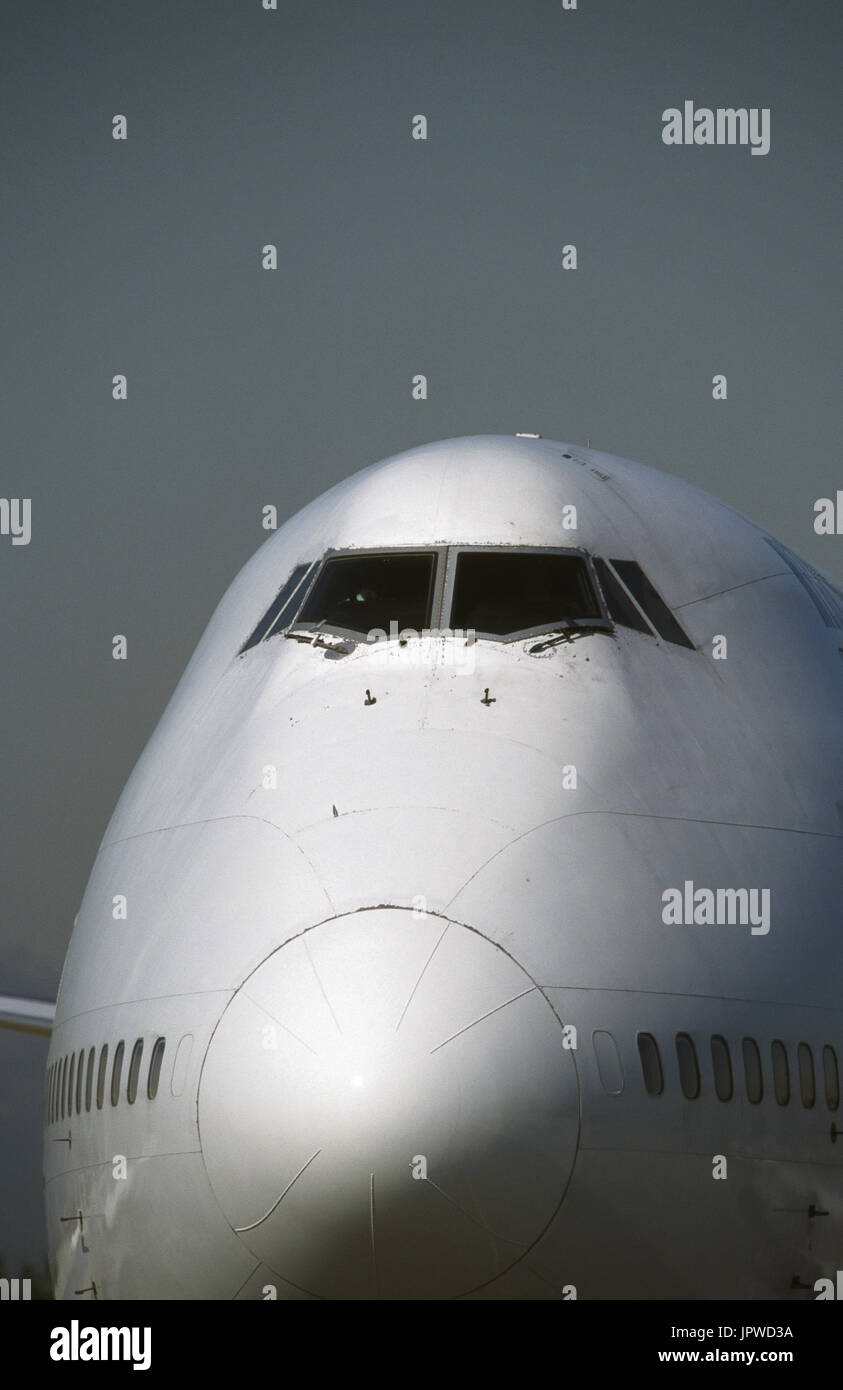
(397, 912)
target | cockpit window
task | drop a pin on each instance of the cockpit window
(280, 610)
(620, 605)
(363, 593)
(651, 604)
(491, 591)
(501, 592)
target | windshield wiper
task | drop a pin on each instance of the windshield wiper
(560, 635)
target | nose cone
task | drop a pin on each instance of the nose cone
(387, 1110)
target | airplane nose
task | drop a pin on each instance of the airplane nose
(387, 1110)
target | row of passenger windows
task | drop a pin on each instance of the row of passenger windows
(752, 1070)
(495, 593)
(70, 1080)
(79, 1080)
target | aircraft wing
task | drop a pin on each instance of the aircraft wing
(27, 1015)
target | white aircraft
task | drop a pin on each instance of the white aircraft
(470, 926)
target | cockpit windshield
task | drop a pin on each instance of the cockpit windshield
(496, 592)
(503, 591)
(365, 593)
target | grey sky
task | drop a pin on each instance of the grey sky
(395, 257)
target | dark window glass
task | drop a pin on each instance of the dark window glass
(689, 1071)
(366, 592)
(651, 1064)
(752, 1071)
(80, 1076)
(291, 607)
(501, 592)
(807, 1084)
(831, 1075)
(116, 1069)
(781, 1072)
(64, 1088)
(155, 1067)
(279, 608)
(89, 1077)
(721, 1064)
(71, 1077)
(621, 608)
(646, 597)
(101, 1074)
(134, 1072)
